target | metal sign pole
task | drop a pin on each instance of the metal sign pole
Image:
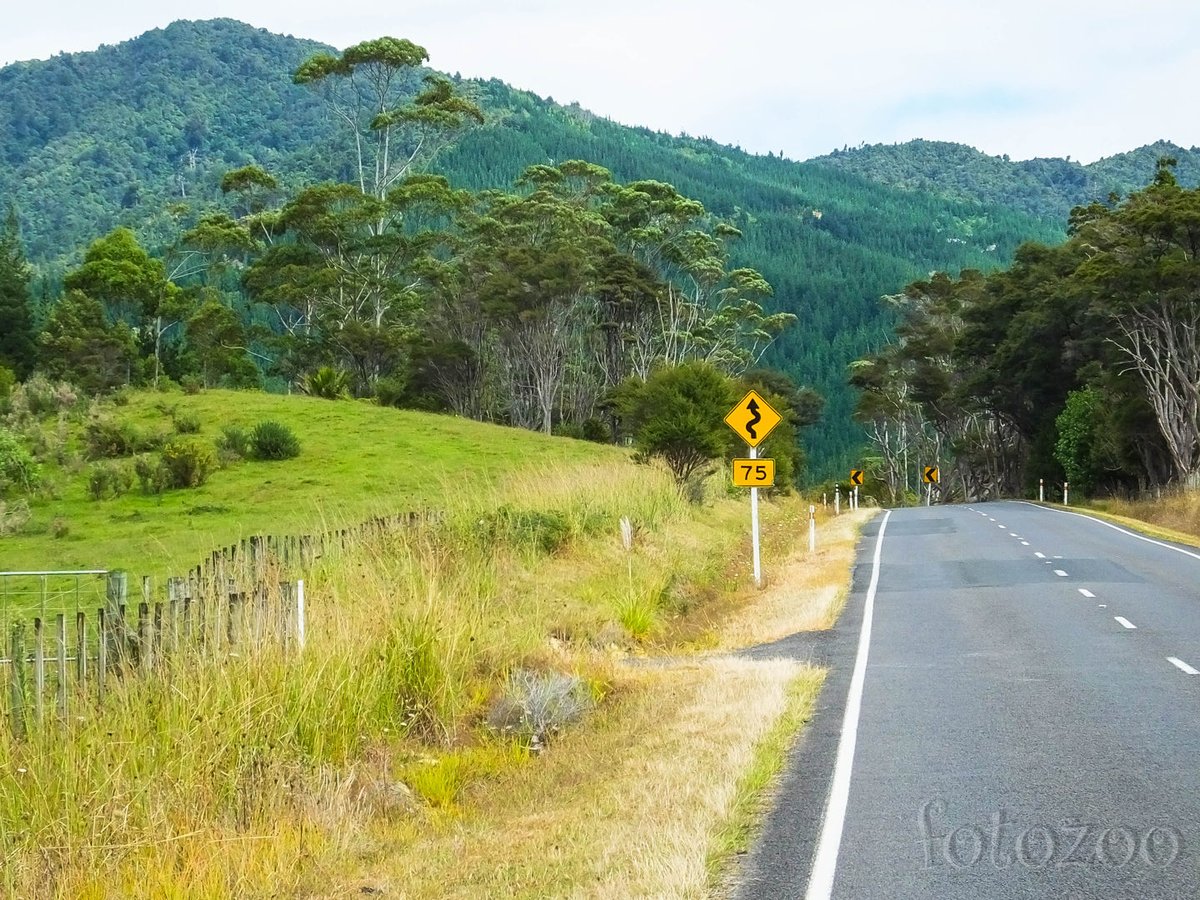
(754, 526)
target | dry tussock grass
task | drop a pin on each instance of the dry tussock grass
(1177, 514)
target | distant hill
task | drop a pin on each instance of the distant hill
(140, 133)
(1044, 188)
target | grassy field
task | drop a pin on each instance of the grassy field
(1175, 517)
(465, 720)
(356, 461)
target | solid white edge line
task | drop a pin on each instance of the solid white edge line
(1087, 593)
(1124, 621)
(1182, 666)
(1132, 534)
(820, 882)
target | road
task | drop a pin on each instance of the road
(1013, 711)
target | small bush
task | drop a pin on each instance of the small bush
(234, 441)
(19, 471)
(529, 529)
(109, 479)
(152, 474)
(327, 382)
(638, 616)
(107, 438)
(597, 431)
(536, 705)
(59, 528)
(188, 462)
(191, 384)
(391, 391)
(13, 517)
(186, 422)
(273, 440)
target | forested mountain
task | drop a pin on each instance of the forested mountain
(141, 133)
(1045, 188)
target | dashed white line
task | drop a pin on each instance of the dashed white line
(1087, 593)
(1039, 555)
(1103, 606)
(1024, 543)
(1182, 666)
(1058, 557)
(998, 525)
(1012, 534)
(1124, 622)
(1060, 573)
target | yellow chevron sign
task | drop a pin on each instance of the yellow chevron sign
(930, 475)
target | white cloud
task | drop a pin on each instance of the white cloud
(1030, 77)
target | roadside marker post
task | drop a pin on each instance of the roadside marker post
(1066, 495)
(752, 420)
(837, 500)
(1041, 490)
(812, 529)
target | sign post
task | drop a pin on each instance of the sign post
(752, 420)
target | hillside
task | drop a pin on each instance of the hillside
(357, 461)
(1044, 188)
(140, 133)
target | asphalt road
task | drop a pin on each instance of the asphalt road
(1025, 722)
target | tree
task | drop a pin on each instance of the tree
(677, 415)
(80, 345)
(18, 347)
(133, 286)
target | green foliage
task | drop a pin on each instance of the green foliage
(1079, 448)
(188, 462)
(273, 441)
(18, 349)
(327, 382)
(234, 440)
(19, 471)
(79, 345)
(152, 474)
(538, 531)
(186, 422)
(109, 478)
(678, 415)
(107, 438)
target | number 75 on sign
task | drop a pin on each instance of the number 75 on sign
(753, 473)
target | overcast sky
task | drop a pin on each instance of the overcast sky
(1022, 77)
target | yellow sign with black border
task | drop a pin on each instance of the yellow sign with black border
(754, 473)
(930, 475)
(856, 476)
(753, 419)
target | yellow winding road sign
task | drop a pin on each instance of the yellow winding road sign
(753, 419)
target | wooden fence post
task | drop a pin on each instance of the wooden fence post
(102, 626)
(16, 684)
(39, 671)
(115, 616)
(81, 651)
(144, 638)
(61, 652)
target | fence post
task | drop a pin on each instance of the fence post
(81, 646)
(61, 649)
(116, 588)
(300, 614)
(16, 684)
(236, 611)
(145, 651)
(39, 671)
(102, 627)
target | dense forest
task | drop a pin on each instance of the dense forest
(1079, 363)
(145, 136)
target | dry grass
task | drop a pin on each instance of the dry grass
(624, 808)
(807, 591)
(1175, 517)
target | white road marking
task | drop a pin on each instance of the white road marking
(1039, 555)
(1060, 573)
(820, 883)
(1132, 534)
(1124, 621)
(1058, 557)
(1182, 666)
(1087, 593)
(1024, 543)
(1103, 606)
(1012, 534)
(1001, 526)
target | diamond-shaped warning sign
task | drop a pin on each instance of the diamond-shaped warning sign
(753, 419)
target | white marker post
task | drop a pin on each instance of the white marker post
(812, 529)
(1066, 495)
(754, 526)
(837, 500)
(1041, 490)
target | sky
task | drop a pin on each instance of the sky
(1024, 78)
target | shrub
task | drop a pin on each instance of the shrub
(391, 390)
(8, 380)
(18, 469)
(327, 382)
(186, 422)
(273, 440)
(188, 462)
(13, 516)
(536, 705)
(191, 384)
(107, 438)
(107, 478)
(537, 530)
(152, 474)
(59, 528)
(235, 441)
(597, 431)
